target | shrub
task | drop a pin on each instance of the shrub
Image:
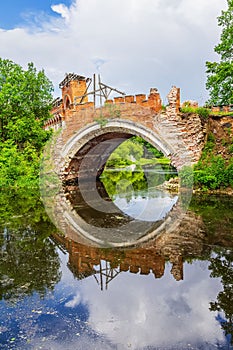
(203, 112)
(212, 173)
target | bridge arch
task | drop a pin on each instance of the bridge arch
(116, 125)
(97, 143)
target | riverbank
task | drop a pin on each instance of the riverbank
(173, 185)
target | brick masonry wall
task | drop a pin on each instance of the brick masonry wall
(185, 136)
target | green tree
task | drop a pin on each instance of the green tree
(125, 154)
(220, 74)
(25, 102)
(148, 148)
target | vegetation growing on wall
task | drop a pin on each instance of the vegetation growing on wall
(201, 111)
(213, 171)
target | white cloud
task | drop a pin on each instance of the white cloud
(62, 10)
(134, 44)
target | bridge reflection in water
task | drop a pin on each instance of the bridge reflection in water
(89, 215)
(189, 241)
(107, 232)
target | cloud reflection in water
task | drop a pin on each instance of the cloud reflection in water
(139, 311)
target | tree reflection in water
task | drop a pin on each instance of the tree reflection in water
(217, 215)
(126, 181)
(221, 265)
(28, 259)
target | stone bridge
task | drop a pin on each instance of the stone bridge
(84, 138)
(84, 132)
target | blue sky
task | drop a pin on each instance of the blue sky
(134, 44)
(15, 13)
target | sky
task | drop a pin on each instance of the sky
(133, 44)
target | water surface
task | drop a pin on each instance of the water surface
(173, 292)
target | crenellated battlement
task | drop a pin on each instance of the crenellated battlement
(153, 100)
(75, 97)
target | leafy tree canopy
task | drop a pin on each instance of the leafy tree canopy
(220, 74)
(25, 102)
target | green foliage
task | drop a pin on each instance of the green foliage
(18, 168)
(188, 110)
(136, 151)
(224, 142)
(125, 154)
(220, 74)
(151, 149)
(217, 213)
(213, 172)
(220, 82)
(221, 113)
(124, 182)
(217, 216)
(101, 121)
(201, 111)
(209, 145)
(230, 148)
(25, 103)
(229, 172)
(110, 112)
(113, 111)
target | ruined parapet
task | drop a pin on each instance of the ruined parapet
(173, 102)
(190, 103)
(224, 108)
(129, 99)
(153, 101)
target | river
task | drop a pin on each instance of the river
(172, 290)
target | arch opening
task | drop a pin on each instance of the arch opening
(108, 139)
(67, 102)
